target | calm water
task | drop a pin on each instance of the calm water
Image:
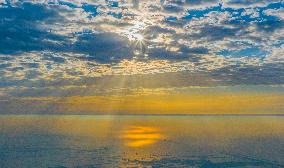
(141, 141)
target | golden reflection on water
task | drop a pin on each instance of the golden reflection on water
(139, 136)
(72, 141)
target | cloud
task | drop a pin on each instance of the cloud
(103, 47)
(279, 13)
(248, 3)
(276, 55)
(237, 103)
(49, 43)
(21, 32)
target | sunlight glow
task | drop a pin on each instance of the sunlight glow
(138, 37)
(133, 33)
(139, 136)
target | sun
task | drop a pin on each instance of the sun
(133, 33)
(135, 37)
(139, 44)
(138, 37)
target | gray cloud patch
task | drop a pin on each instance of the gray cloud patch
(103, 47)
(20, 29)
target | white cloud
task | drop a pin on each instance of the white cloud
(276, 54)
(247, 3)
(275, 12)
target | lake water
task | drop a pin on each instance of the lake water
(36, 141)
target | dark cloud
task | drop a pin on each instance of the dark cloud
(249, 2)
(103, 47)
(163, 53)
(152, 32)
(194, 50)
(268, 74)
(173, 8)
(214, 33)
(4, 65)
(27, 12)
(193, 3)
(270, 25)
(199, 2)
(20, 29)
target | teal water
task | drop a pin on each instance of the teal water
(141, 141)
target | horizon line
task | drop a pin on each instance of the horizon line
(154, 115)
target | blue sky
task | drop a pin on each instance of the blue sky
(63, 44)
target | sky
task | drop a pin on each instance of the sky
(141, 57)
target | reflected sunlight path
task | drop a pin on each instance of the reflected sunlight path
(139, 136)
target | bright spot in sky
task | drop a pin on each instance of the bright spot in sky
(138, 37)
(133, 32)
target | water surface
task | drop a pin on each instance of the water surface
(141, 141)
